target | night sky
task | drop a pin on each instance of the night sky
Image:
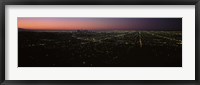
(100, 24)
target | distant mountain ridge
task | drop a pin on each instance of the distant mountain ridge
(31, 30)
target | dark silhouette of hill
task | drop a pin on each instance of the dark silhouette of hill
(23, 29)
(30, 30)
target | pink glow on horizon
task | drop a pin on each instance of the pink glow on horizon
(68, 24)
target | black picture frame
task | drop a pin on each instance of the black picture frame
(99, 2)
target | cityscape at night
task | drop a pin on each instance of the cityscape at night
(99, 42)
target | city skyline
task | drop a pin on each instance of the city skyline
(96, 24)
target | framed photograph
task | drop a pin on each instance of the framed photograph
(99, 42)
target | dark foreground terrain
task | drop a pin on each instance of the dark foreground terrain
(100, 49)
